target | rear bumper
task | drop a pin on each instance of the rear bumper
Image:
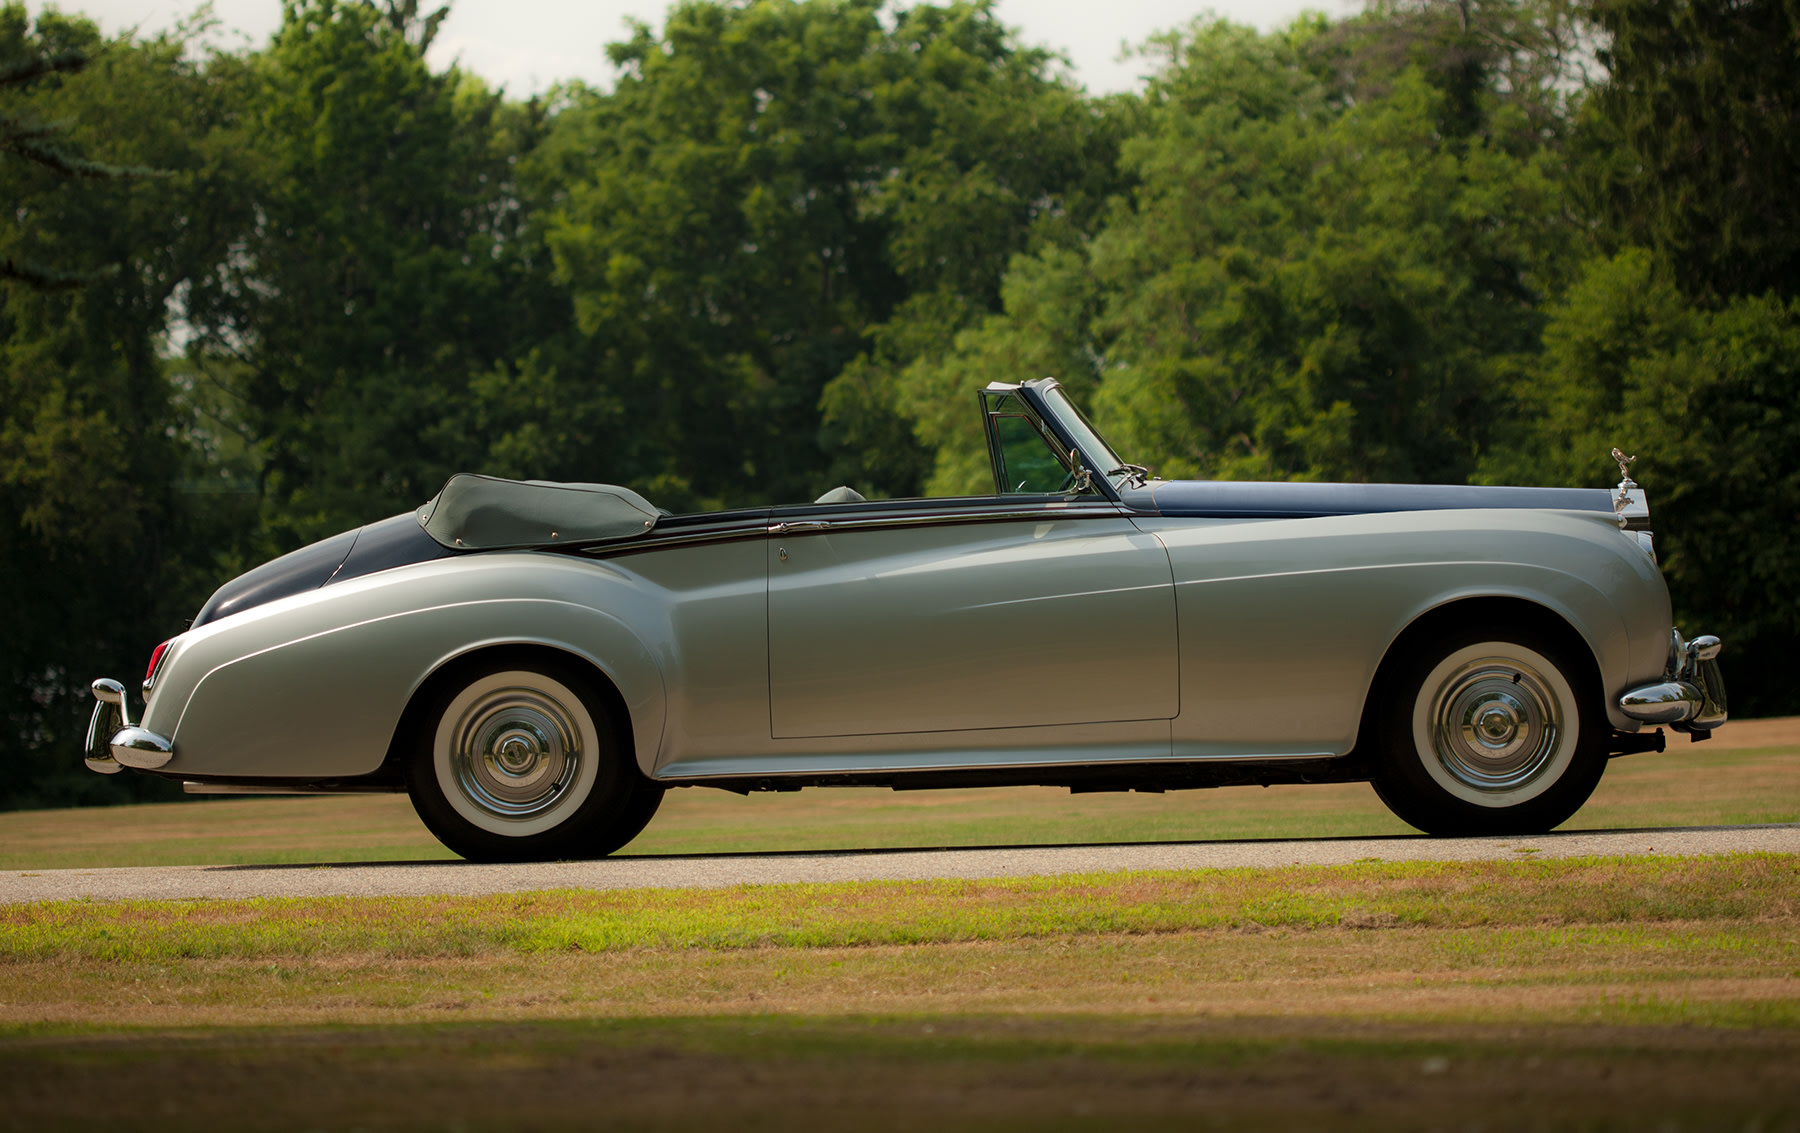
(114, 742)
(1691, 695)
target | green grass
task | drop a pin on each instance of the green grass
(1526, 897)
(1548, 994)
(1614, 993)
(1689, 785)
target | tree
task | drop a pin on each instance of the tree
(1676, 339)
(1701, 102)
(103, 553)
(768, 186)
(1704, 398)
(377, 279)
(27, 136)
(1329, 256)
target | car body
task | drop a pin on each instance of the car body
(514, 651)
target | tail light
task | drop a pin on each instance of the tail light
(156, 657)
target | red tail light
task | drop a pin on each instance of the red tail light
(156, 657)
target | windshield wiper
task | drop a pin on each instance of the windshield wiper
(1136, 473)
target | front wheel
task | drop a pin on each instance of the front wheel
(521, 762)
(1491, 730)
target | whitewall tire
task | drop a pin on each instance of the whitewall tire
(1490, 730)
(518, 759)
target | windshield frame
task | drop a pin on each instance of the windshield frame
(1072, 427)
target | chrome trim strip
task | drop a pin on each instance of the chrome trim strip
(202, 787)
(683, 539)
(1022, 515)
(1191, 755)
(793, 766)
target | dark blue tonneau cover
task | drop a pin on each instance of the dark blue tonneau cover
(398, 541)
(1240, 499)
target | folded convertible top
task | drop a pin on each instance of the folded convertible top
(486, 513)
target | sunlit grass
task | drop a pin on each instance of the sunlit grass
(1563, 993)
(1493, 895)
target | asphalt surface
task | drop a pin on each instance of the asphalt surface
(419, 879)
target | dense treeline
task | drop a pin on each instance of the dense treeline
(249, 299)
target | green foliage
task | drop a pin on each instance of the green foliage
(1307, 281)
(377, 279)
(27, 60)
(102, 552)
(1703, 98)
(1707, 399)
(1679, 346)
(770, 185)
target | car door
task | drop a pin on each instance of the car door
(967, 615)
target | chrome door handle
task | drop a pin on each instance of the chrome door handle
(803, 525)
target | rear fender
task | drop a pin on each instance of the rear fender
(315, 688)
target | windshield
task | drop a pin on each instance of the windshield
(1086, 439)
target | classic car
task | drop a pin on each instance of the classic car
(536, 663)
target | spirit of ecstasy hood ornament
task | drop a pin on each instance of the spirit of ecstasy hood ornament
(1626, 483)
(1624, 464)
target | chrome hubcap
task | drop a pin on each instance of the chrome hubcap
(1495, 724)
(515, 751)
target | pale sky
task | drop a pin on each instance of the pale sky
(526, 45)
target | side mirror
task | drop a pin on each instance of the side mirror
(1080, 479)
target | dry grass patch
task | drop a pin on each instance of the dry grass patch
(1692, 974)
(1736, 888)
(1712, 941)
(1580, 995)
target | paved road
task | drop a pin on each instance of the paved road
(399, 879)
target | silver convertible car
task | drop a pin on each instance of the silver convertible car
(536, 663)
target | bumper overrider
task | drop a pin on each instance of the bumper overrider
(114, 742)
(1691, 696)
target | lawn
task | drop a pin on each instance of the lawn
(1546, 994)
(1596, 994)
(1690, 785)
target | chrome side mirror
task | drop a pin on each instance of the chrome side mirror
(1080, 478)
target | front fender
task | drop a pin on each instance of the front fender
(1284, 623)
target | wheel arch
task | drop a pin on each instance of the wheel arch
(1477, 609)
(524, 653)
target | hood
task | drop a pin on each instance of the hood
(1235, 499)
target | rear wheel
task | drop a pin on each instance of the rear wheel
(521, 762)
(1490, 730)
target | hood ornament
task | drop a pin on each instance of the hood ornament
(1629, 500)
(1625, 463)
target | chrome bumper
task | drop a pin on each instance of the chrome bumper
(113, 742)
(1691, 695)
